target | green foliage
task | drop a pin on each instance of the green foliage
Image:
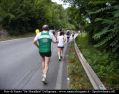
(107, 37)
(76, 73)
(103, 33)
(22, 16)
(104, 17)
(104, 64)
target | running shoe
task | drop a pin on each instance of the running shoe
(44, 80)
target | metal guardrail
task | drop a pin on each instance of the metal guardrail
(95, 81)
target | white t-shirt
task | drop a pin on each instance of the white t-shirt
(58, 33)
(60, 41)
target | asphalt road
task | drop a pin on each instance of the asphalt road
(20, 66)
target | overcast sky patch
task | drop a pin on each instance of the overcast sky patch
(65, 5)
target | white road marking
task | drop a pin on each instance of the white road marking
(59, 77)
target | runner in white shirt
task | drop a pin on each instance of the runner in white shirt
(61, 41)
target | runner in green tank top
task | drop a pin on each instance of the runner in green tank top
(43, 42)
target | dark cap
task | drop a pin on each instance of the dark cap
(45, 27)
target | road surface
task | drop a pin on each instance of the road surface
(20, 66)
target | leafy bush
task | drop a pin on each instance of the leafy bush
(76, 73)
(104, 64)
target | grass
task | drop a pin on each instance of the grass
(76, 73)
(8, 37)
(105, 64)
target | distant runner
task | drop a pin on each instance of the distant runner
(37, 31)
(73, 35)
(61, 40)
(68, 36)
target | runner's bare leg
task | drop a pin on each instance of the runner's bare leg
(47, 60)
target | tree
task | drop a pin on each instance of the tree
(104, 15)
(22, 16)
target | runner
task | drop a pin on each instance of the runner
(61, 40)
(68, 36)
(37, 31)
(54, 33)
(73, 35)
(43, 42)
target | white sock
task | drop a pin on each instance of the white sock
(44, 75)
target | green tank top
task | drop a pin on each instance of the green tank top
(44, 42)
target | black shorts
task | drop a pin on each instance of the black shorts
(47, 54)
(60, 47)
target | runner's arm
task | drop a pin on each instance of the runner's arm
(35, 41)
(54, 39)
(64, 38)
(36, 44)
